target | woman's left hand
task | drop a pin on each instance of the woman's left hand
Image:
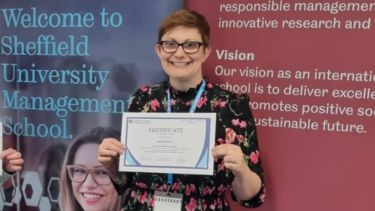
(232, 157)
(246, 183)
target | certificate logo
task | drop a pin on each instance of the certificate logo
(138, 121)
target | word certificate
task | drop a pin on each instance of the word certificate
(174, 143)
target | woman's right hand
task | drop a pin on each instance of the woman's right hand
(109, 150)
(12, 160)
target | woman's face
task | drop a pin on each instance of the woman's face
(180, 66)
(89, 194)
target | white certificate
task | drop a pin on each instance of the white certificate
(176, 143)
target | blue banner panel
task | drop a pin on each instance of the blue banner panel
(65, 68)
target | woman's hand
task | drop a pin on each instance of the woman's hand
(12, 160)
(232, 156)
(246, 183)
(108, 152)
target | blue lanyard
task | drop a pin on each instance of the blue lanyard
(195, 102)
(192, 110)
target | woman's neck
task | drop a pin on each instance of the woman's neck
(181, 85)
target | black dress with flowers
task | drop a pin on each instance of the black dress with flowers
(235, 125)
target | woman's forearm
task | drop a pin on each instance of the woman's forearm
(246, 184)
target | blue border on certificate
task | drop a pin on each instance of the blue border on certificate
(203, 160)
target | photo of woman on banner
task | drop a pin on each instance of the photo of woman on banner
(85, 184)
(183, 45)
(12, 163)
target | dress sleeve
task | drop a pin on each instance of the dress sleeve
(243, 124)
(139, 99)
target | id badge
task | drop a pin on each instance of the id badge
(167, 201)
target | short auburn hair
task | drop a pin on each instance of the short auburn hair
(187, 18)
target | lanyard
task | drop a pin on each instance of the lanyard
(192, 110)
(195, 102)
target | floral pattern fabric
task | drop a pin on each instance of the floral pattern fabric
(235, 125)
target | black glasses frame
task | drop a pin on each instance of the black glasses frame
(183, 45)
(87, 172)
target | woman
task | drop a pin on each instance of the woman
(182, 47)
(84, 183)
(12, 162)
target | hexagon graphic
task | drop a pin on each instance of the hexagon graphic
(44, 204)
(53, 182)
(17, 197)
(31, 179)
(1, 199)
(13, 188)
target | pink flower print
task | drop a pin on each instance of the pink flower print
(189, 188)
(152, 202)
(222, 103)
(192, 205)
(154, 104)
(219, 203)
(241, 138)
(163, 187)
(173, 102)
(133, 194)
(175, 186)
(144, 88)
(220, 141)
(142, 185)
(143, 198)
(242, 124)
(213, 205)
(204, 205)
(221, 166)
(202, 101)
(235, 122)
(207, 190)
(219, 103)
(254, 157)
(230, 135)
(221, 188)
(209, 85)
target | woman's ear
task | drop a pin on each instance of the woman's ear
(157, 49)
(207, 52)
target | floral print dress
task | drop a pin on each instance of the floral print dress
(235, 125)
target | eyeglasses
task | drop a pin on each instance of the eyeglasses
(79, 174)
(189, 47)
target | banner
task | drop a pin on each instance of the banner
(309, 69)
(67, 67)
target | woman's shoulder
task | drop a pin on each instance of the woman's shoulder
(150, 89)
(227, 95)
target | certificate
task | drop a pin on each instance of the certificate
(176, 143)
